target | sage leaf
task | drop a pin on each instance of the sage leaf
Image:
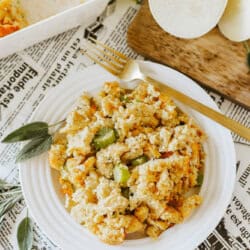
(25, 234)
(10, 194)
(3, 183)
(35, 147)
(8, 204)
(27, 132)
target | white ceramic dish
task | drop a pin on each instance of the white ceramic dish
(81, 14)
(40, 184)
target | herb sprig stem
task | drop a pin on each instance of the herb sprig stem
(39, 136)
(10, 194)
(57, 123)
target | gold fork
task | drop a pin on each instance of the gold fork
(128, 70)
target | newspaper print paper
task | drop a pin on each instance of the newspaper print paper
(26, 78)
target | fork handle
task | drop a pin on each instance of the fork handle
(211, 113)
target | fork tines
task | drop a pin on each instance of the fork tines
(108, 58)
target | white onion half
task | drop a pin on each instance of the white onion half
(235, 23)
(187, 18)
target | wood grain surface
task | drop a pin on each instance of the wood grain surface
(211, 60)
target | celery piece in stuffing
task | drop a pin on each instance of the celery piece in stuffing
(104, 137)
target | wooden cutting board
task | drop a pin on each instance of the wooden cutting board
(211, 60)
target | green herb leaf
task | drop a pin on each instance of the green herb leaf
(10, 194)
(125, 192)
(3, 183)
(29, 131)
(7, 204)
(35, 147)
(199, 179)
(25, 234)
(124, 98)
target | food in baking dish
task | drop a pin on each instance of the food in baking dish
(17, 14)
(129, 161)
(12, 17)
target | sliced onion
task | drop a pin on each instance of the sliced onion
(235, 23)
(187, 18)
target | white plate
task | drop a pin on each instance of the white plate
(40, 183)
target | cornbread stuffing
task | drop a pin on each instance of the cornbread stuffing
(128, 161)
(12, 17)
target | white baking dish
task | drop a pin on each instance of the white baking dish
(82, 14)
